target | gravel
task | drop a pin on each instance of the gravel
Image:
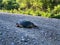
(48, 32)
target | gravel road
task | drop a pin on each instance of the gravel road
(48, 32)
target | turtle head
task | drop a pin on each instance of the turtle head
(19, 25)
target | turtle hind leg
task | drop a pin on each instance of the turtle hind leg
(36, 27)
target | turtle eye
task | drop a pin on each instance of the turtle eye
(16, 23)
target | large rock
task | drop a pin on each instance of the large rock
(47, 34)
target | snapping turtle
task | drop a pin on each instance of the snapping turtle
(26, 24)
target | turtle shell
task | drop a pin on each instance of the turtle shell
(26, 24)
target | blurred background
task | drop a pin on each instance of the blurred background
(44, 8)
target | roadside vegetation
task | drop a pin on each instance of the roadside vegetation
(45, 8)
